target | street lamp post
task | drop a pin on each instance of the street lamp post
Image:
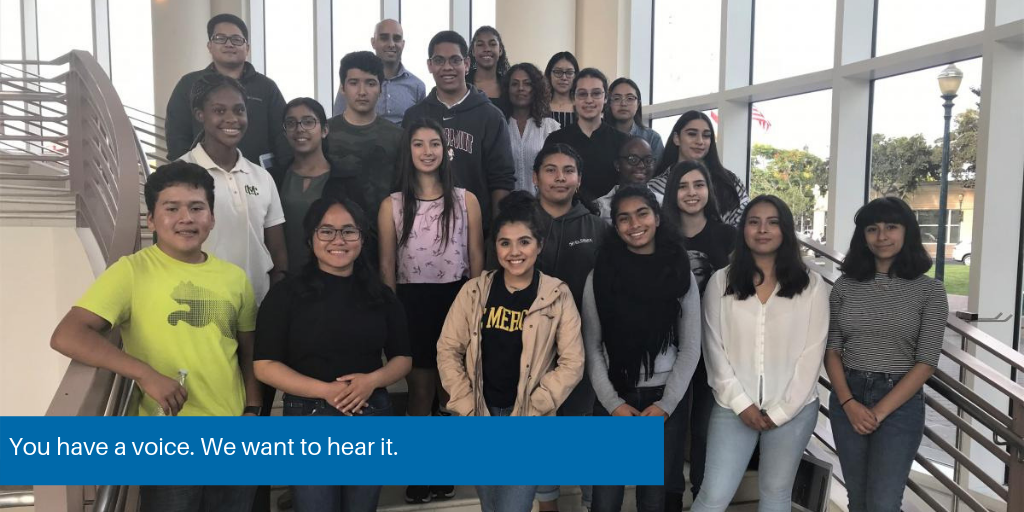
(949, 83)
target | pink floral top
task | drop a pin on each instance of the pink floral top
(423, 258)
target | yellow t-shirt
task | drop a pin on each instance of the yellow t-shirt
(175, 315)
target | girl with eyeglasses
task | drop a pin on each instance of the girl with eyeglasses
(693, 138)
(766, 317)
(689, 204)
(308, 176)
(481, 358)
(320, 336)
(884, 342)
(625, 111)
(559, 73)
(526, 107)
(641, 326)
(431, 241)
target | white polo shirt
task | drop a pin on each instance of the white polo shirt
(245, 203)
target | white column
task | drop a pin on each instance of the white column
(851, 120)
(996, 240)
(641, 34)
(461, 18)
(257, 35)
(519, 25)
(179, 45)
(734, 116)
(391, 9)
(323, 53)
(101, 33)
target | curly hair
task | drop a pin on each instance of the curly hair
(540, 101)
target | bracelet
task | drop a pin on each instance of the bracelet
(845, 402)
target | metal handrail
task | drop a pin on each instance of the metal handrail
(105, 159)
(14, 499)
(1008, 428)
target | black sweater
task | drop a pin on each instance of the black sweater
(570, 247)
(265, 108)
(479, 143)
(330, 334)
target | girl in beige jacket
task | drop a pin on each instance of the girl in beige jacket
(511, 344)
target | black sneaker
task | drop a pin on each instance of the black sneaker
(442, 492)
(417, 494)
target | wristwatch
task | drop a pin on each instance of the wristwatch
(252, 409)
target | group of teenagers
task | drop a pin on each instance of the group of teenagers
(536, 250)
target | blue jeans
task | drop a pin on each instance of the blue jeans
(876, 466)
(350, 498)
(649, 498)
(730, 444)
(505, 498)
(195, 498)
(579, 403)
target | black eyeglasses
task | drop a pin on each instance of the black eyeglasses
(563, 73)
(647, 161)
(454, 60)
(222, 39)
(307, 123)
(328, 234)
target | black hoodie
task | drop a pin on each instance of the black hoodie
(570, 247)
(478, 144)
(265, 108)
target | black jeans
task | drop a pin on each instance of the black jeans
(649, 498)
(196, 498)
(349, 498)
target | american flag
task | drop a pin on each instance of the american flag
(755, 115)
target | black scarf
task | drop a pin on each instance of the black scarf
(638, 303)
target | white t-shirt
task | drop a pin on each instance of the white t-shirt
(245, 203)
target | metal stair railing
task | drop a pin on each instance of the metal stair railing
(999, 432)
(104, 162)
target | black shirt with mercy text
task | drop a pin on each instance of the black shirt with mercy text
(501, 339)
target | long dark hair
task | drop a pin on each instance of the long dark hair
(321, 117)
(724, 180)
(790, 270)
(554, 60)
(367, 279)
(911, 262)
(638, 117)
(540, 102)
(407, 182)
(670, 203)
(500, 67)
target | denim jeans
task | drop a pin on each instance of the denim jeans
(579, 403)
(876, 466)
(505, 498)
(196, 498)
(730, 444)
(649, 498)
(350, 498)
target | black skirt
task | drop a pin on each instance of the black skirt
(426, 307)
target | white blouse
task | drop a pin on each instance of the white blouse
(525, 147)
(768, 355)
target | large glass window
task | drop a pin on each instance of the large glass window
(64, 25)
(289, 47)
(685, 56)
(421, 19)
(352, 27)
(935, 20)
(131, 53)
(10, 30)
(789, 156)
(483, 13)
(906, 154)
(793, 37)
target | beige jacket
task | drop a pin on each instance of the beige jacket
(552, 360)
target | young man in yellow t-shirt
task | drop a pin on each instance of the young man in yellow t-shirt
(180, 310)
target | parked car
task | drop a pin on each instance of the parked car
(962, 252)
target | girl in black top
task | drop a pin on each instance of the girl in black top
(320, 336)
(488, 63)
(690, 205)
(560, 72)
